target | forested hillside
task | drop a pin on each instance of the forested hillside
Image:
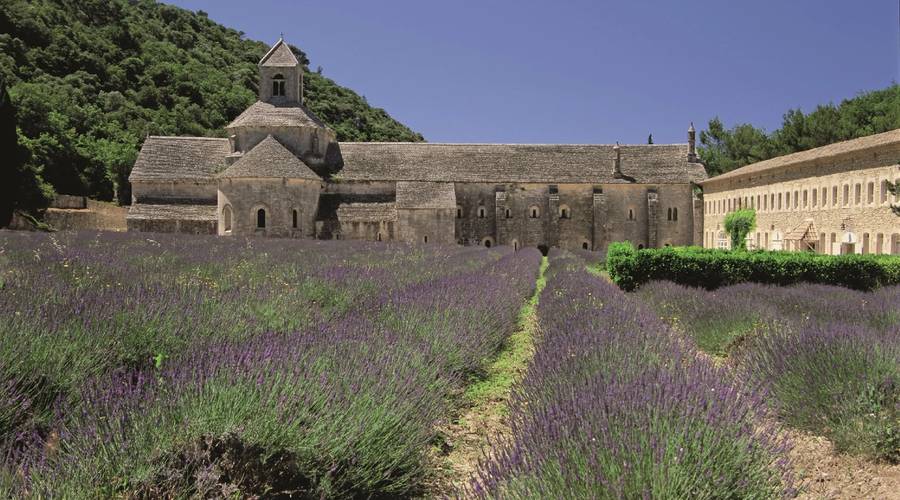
(869, 113)
(91, 78)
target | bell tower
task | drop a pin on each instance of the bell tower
(280, 75)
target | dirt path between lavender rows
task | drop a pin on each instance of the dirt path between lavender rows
(483, 416)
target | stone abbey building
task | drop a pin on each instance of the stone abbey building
(281, 172)
(833, 199)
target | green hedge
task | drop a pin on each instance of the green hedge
(710, 269)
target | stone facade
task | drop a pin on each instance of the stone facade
(830, 200)
(281, 172)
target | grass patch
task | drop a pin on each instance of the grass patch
(512, 361)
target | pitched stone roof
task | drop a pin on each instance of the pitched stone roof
(280, 55)
(538, 163)
(277, 114)
(367, 212)
(426, 195)
(142, 211)
(796, 159)
(269, 158)
(180, 158)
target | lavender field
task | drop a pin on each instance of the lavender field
(156, 366)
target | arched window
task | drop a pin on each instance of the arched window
(870, 193)
(425, 239)
(481, 212)
(458, 212)
(488, 243)
(675, 214)
(378, 237)
(584, 246)
(508, 213)
(534, 212)
(226, 218)
(669, 214)
(278, 85)
(261, 218)
(564, 212)
(294, 217)
(641, 246)
(630, 214)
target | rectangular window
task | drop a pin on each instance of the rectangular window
(779, 201)
(815, 199)
(787, 200)
(870, 195)
(824, 197)
(846, 195)
(796, 199)
(834, 196)
(857, 191)
(805, 198)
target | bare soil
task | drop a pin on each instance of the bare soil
(825, 474)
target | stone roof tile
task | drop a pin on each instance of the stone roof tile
(180, 158)
(367, 212)
(796, 159)
(426, 195)
(269, 158)
(280, 55)
(538, 163)
(143, 211)
(277, 114)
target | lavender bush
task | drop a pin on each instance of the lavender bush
(829, 356)
(616, 406)
(209, 367)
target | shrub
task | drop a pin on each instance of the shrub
(738, 225)
(712, 269)
(839, 381)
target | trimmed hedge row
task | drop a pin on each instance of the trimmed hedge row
(710, 269)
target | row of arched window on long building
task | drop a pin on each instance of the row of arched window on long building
(534, 212)
(840, 196)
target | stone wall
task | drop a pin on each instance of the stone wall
(574, 216)
(434, 225)
(309, 143)
(279, 198)
(850, 205)
(174, 192)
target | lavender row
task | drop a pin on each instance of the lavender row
(829, 357)
(614, 405)
(345, 406)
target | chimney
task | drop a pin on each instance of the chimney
(692, 144)
(617, 172)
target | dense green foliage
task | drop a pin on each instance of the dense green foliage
(738, 225)
(92, 78)
(19, 186)
(869, 113)
(710, 269)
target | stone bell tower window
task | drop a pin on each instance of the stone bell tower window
(261, 218)
(278, 85)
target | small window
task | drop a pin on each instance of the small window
(584, 246)
(278, 85)
(796, 199)
(226, 218)
(669, 214)
(425, 239)
(378, 237)
(508, 213)
(870, 195)
(459, 212)
(805, 198)
(641, 246)
(261, 218)
(834, 195)
(857, 191)
(488, 242)
(846, 194)
(884, 191)
(294, 219)
(481, 212)
(630, 214)
(675, 214)
(563, 212)
(534, 212)
(815, 195)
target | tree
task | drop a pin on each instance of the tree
(20, 185)
(894, 189)
(738, 225)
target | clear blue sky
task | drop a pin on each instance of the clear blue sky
(584, 71)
